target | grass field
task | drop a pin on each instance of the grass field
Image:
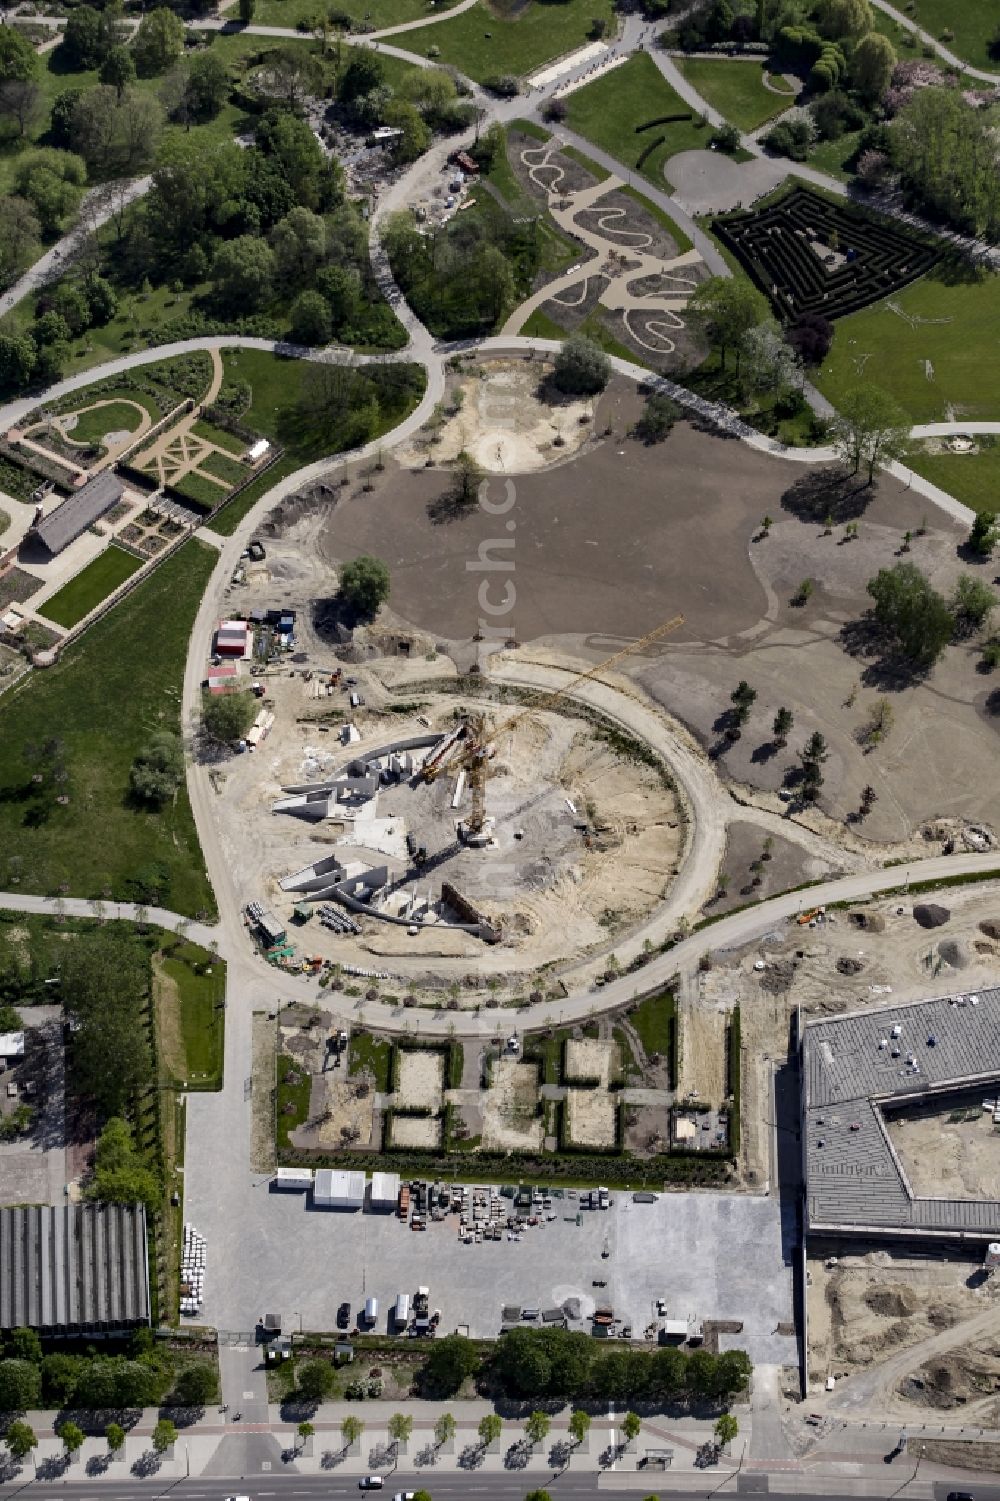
(974, 23)
(972, 478)
(953, 324)
(833, 156)
(371, 1053)
(92, 584)
(483, 42)
(540, 326)
(201, 491)
(377, 13)
(609, 111)
(228, 520)
(219, 436)
(735, 89)
(191, 1015)
(91, 426)
(99, 843)
(223, 467)
(293, 1099)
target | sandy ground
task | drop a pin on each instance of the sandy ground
(415, 1131)
(588, 1058)
(590, 1117)
(702, 1073)
(421, 1080)
(950, 1159)
(499, 418)
(510, 1119)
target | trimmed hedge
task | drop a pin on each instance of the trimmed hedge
(734, 1066)
(662, 120)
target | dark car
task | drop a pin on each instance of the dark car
(961, 1496)
(343, 1315)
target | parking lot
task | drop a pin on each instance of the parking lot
(708, 1255)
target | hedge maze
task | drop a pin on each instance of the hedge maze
(810, 255)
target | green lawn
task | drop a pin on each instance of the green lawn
(372, 1054)
(974, 22)
(92, 584)
(192, 1033)
(540, 326)
(199, 490)
(91, 426)
(735, 89)
(483, 42)
(654, 1020)
(223, 467)
(228, 520)
(219, 436)
(293, 1098)
(139, 323)
(376, 13)
(833, 156)
(101, 701)
(609, 111)
(972, 478)
(963, 348)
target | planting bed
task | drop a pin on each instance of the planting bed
(811, 255)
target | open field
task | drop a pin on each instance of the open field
(972, 24)
(502, 38)
(114, 416)
(90, 586)
(935, 346)
(375, 13)
(972, 478)
(190, 987)
(735, 89)
(98, 844)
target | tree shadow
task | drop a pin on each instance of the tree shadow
(331, 1458)
(98, 1464)
(297, 1409)
(52, 1468)
(822, 495)
(765, 752)
(10, 1468)
(560, 1453)
(426, 1456)
(471, 1457)
(957, 271)
(147, 1464)
(453, 505)
(886, 668)
(517, 1456)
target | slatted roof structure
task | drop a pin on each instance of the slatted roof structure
(857, 1066)
(85, 506)
(74, 1268)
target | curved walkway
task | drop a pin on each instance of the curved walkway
(952, 58)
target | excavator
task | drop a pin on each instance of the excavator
(473, 744)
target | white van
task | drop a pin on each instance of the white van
(371, 1310)
(401, 1312)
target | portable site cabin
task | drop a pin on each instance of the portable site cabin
(336, 1188)
(385, 1193)
(292, 1179)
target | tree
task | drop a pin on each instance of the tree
(23, 1344)
(579, 1425)
(114, 1433)
(159, 42)
(118, 70)
(400, 1427)
(364, 584)
(227, 717)
(195, 1385)
(840, 18)
(72, 1437)
(743, 698)
(60, 1378)
(811, 336)
(315, 1380)
(243, 273)
(20, 232)
(18, 58)
(120, 1175)
(246, 10)
(20, 1440)
(871, 428)
(21, 101)
(341, 290)
(984, 533)
(207, 86)
(812, 758)
(538, 1496)
(781, 724)
(972, 604)
(116, 135)
(81, 38)
(351, 1429)
(537, 1426)
(631, 1424)
(309, 319)
(767, 363)
(490, 1428)
(52, 182)
(914, 616)
(727, 308)
(364, 72)
(444, 1429)
(299, 244)
(658, 417)
(158, 769)
(164, 1436)
(448, 1364)
(726, 1428)
(581, 367)
(872, 63)
(104, 983)
(938, 144)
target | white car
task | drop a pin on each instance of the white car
(371, 1483)
(404, 1496)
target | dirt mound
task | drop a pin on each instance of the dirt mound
(846, 966)
(953, 954)
(893, 1302)
(869, 922)
(931, 915)
(991, 928)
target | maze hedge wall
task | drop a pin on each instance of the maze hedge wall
(774, 245)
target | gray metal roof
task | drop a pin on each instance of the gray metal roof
(85, 506)
(73, 1268)
(854, 1179)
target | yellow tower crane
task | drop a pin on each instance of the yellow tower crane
(474, 750)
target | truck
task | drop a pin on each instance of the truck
(604, 1315)
(404, 1202)
(401, 1311)
(421, 1303)
(371, 1311)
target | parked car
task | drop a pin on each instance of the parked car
(344, 1316)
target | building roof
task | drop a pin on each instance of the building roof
(385, 1188)
(11, 1044)
(85, 506)
(856, 1066)
(340, 1185)
(73, 1268)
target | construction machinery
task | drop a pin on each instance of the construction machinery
(472, 745)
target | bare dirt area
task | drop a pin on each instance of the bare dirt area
(590, 1117)
(511, 1121)
(421, 1080)
(702, 1073)
(589, 1060)
(262, 1143)
(866, 1308)
(959, 1454)
(415, 1131)
(758, 864)
(950, 1151)
(496, 411)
